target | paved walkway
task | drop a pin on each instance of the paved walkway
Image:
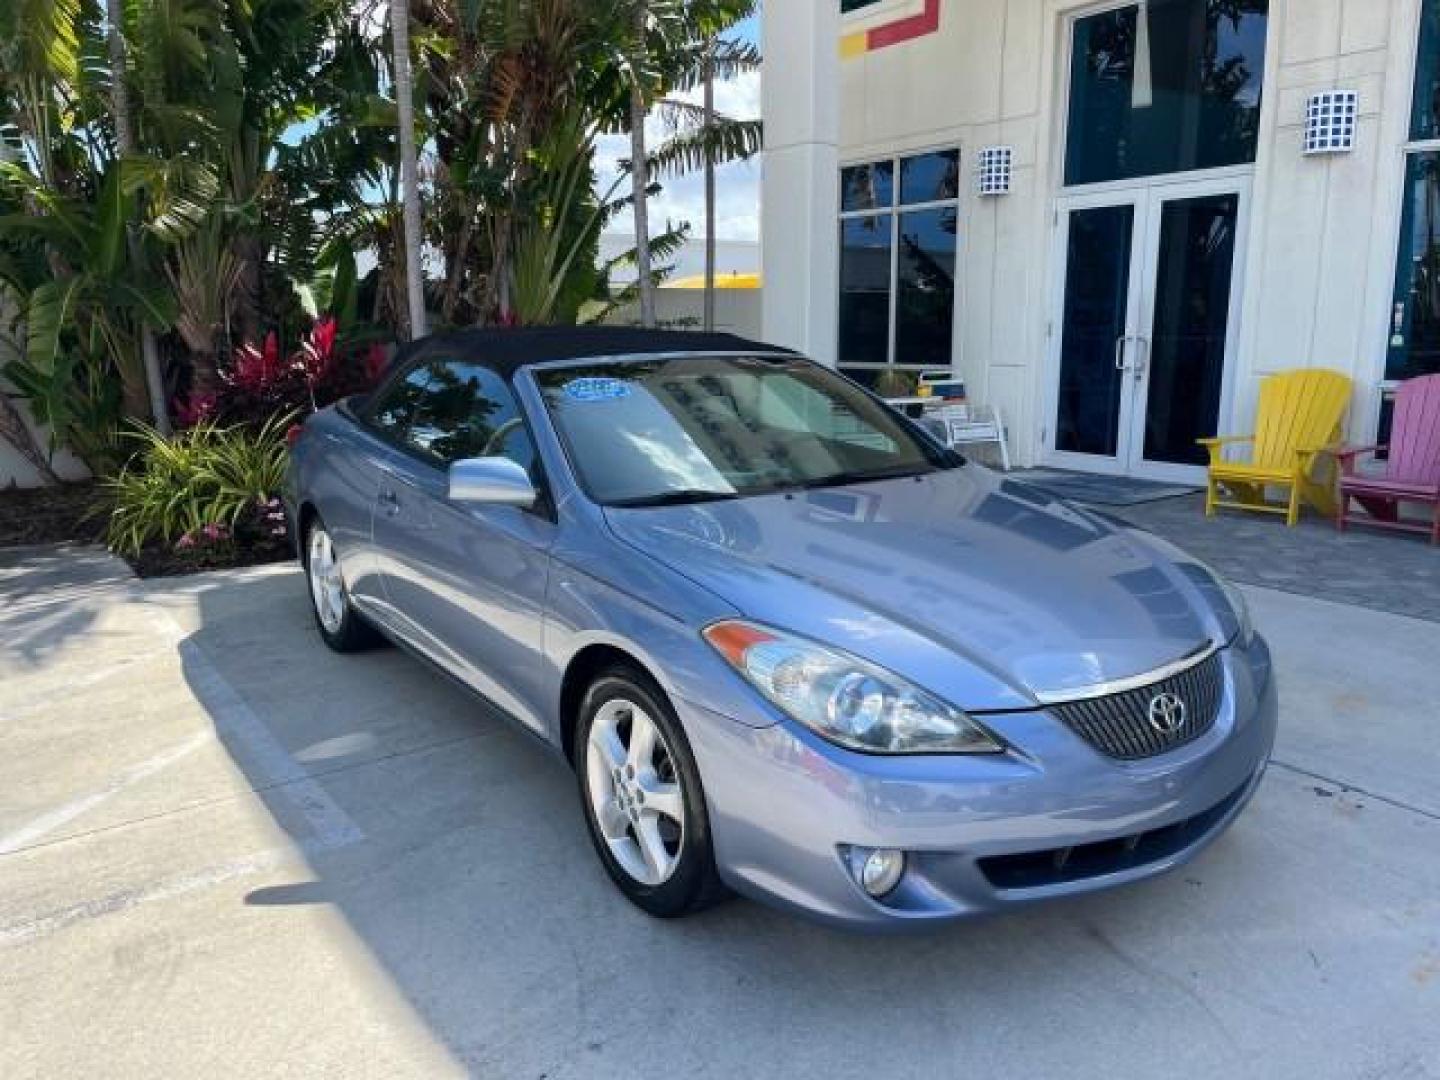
(226, 851)
(1392, 572)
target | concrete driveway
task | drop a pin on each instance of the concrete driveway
(225, 851)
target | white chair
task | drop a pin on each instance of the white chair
(965, 424)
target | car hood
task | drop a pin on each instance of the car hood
(971, 584)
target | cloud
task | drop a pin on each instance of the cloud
(737, 186)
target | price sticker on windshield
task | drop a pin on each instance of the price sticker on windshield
(595, 388)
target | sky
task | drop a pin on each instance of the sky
(737, 186)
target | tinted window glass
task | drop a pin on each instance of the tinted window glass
(467, 411)
(925, 306)
(1425, 112)
(1414, 341)
(865, 290)
(1168, 86)
(930, 177)
(395, 408)
(867, 187)
(702, 428)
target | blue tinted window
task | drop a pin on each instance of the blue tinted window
(930, 177)
(865, 290)
(1414, 342)
(925, 303)
(867, 187)
(1425, 112)
(1167, 86)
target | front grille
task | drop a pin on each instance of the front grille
(1119, 725)
(1057, 866)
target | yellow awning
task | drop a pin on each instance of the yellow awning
(722, 281)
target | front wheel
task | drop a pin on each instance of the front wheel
(642, 796)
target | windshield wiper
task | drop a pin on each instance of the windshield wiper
(676, 497)
(860, 476)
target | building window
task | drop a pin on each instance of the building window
(899, 224)
(1165, 86)
(1414, 344)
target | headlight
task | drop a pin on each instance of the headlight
(845, 699)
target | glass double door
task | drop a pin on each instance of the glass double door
(1147, 307)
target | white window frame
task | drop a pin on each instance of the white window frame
(896, 210)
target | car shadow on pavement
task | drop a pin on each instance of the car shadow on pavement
(454, 848)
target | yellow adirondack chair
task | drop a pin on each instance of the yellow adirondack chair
(1300, 415)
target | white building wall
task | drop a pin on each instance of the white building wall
(1318, 265)
(15, 469)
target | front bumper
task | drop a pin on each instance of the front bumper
(980, 830)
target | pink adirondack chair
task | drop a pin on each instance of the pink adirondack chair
(1412, 474)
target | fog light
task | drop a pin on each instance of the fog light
(882, 871)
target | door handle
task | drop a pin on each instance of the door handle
(1142, 357)
(1120, 364)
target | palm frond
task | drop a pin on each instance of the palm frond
(723, 142)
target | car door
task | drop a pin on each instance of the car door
(353, 476)
(467, 582)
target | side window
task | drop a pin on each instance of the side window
(465, 411)
(395, 409)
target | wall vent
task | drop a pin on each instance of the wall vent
(994, 167)
(1330, 121)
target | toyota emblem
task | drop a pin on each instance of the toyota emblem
(1167, 714)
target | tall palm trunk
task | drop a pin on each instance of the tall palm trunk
(640, 171)
(125, 140)
(708, 129)
(409, 167)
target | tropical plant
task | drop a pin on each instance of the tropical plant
(202, 483)
(79, 297)
(186, 178)
(262, 381)
(675, 47)
(137, 131)
(642, 79)
(705, 138)
(409, 169)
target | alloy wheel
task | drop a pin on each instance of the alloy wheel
(327, 588)
(635, 792)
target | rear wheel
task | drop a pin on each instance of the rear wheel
(642, 796)
(340, 626)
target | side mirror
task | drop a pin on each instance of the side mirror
(491, 481)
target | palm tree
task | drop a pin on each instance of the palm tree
(725, 139)
(708, 78)
(409, 167)
(125, 144)
(703, 138)
(639, 165)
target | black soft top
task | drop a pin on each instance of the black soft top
(507, 349)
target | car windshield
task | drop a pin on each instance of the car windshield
(695, 428)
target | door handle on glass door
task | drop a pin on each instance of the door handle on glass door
(1142, 357)
(1120, 364)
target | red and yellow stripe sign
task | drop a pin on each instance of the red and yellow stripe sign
(893, 33)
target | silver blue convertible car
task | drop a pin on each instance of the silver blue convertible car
(791, 645)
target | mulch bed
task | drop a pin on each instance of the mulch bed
(249, 548)
(70, 513)
(77, 514)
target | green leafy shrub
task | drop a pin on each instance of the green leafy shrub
(201, 483)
